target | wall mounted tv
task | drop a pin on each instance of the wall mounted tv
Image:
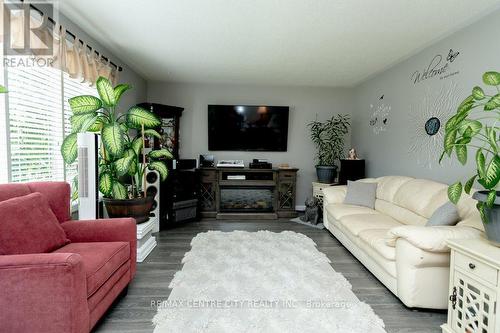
(247, 127)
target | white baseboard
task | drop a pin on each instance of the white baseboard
(300, 208)
(146, 249)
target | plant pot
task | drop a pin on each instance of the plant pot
(137, 208)
(326, 173)
(492, 227)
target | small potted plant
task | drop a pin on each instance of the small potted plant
(328, 138)
(474, 126)
(122, 161)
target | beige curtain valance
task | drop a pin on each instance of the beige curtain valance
(73, 57)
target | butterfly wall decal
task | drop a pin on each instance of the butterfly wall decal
(452, 55)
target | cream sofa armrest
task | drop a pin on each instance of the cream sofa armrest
(432, 239)
(334, 194)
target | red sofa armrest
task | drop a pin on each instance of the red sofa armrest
(44, 292)
(105, 230)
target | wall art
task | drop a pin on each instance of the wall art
(427, 120)
(379, 120)
(440, 67)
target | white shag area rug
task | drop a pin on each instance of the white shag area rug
(261, 282)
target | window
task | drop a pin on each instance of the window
(36, 122)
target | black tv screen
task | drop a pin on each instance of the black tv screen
(247, 127)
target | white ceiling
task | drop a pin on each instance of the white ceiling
(280, 42)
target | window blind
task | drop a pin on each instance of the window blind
(38, 120)
(35, 121)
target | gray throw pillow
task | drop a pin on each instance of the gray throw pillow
(447, 214)
(361, 194)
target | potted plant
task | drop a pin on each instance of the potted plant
(478, 131)
(329, 138)
(122, 161)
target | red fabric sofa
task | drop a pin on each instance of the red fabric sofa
(69, 289)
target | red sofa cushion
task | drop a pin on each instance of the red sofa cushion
(100, 260)
(28, 225)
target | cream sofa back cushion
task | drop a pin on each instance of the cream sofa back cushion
(421, 196)
(389, 185)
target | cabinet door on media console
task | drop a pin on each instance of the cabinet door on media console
(287, 184)
(208, 192)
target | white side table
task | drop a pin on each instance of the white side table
(474, 287)
(318, 191)
(318, 194)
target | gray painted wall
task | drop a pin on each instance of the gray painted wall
(388, 153)
(305, 103)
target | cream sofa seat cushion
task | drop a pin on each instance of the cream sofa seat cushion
(421, 196)
(357, 223)
(400, 214)
(375, 238)
(432, 239)
(340, 210)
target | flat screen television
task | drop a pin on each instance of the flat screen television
(247, 127)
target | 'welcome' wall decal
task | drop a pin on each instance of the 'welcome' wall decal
(439, 66)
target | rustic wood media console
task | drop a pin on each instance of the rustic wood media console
(233, 193)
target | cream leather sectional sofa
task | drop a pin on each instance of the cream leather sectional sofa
(392, 241)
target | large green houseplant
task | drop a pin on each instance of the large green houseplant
(328, 138)
(122, 161)
(475, 126)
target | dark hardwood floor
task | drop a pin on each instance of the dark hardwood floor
(134, 312)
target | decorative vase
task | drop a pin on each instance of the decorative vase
(138, 208)
(326, 173)
(492, 226)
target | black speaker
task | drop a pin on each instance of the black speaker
(351, 170)
(179, 199)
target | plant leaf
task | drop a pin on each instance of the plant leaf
(137, 116)
(461, 151)
(160, 167)
(481, 208)
(469, 184)
(3, 90)
(490, 200)
(122, 165)
(84, 104)
(492, 139)
(119, 90)
(454, 192)
(465, 107)
(106, 92)
(97, 125)
(133, 165)
(105, 184)
(493, 103)
(491, 78)
(478, 93)
(69, 148)
(82, 122)
(480, 163)
(152, 132)
(112, 137)
(492, 175)
(449, 141)
(118, 190)
(160, 153)
(474, 125)
(137, 145)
